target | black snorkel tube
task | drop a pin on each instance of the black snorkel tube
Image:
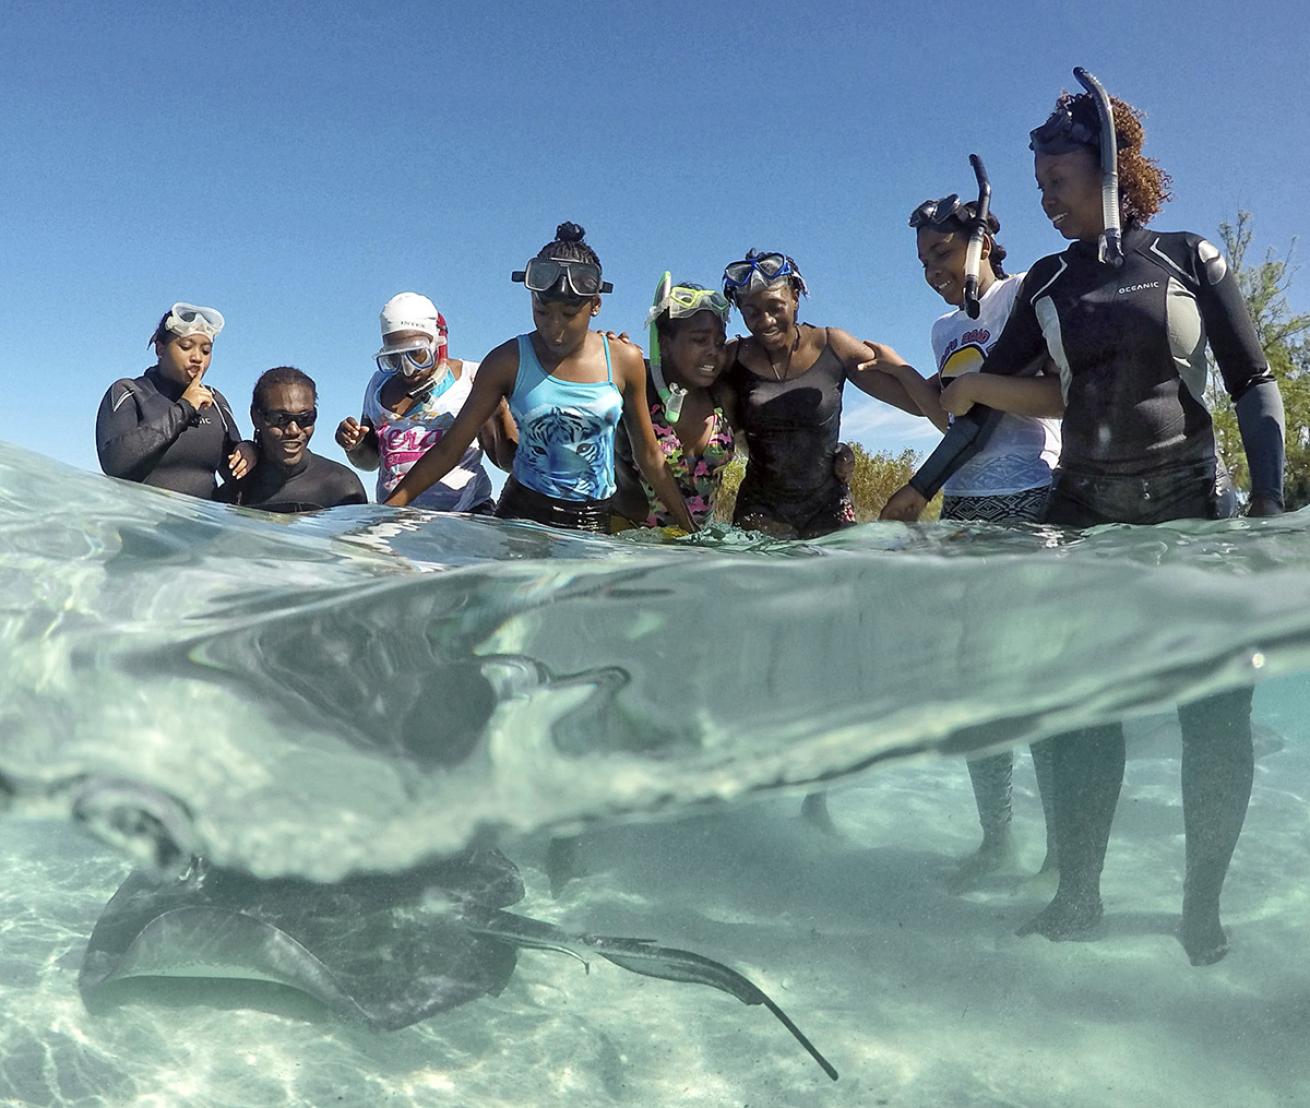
(973, 254)
(1111, 245)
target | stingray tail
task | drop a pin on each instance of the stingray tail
(640, 956)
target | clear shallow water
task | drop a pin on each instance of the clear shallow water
(357, 691)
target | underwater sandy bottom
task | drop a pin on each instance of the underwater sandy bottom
(918, 997)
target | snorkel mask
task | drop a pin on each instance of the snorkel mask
(412, 311)
(1063, 134)
(680, 302)
(759, 270)
(562, 278)
(188, 319)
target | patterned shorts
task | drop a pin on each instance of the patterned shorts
(1010, 507)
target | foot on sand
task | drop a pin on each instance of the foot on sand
(996, 855)
(1203, 937)
(1068, 919)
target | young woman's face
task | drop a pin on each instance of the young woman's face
(942, 255)
(1070, 185)
(285, 445)
(562, 325)
(770, 313)
(693, 354)
(183, 358)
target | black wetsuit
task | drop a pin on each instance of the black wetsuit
(1138, 447)
(146, 432)
(314, 484)
(1129, 343)
(792, 427)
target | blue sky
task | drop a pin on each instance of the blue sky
(294, 166)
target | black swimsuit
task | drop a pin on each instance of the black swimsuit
(792, 428)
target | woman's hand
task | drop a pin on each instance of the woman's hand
(242, 460)
(960, 395)
(905, 506)
(351, 434)
(197, 395)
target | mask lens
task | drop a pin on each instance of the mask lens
(584, 278)
(771, 265)
(541, 274)
(738, 273)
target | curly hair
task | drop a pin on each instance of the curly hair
(1143, 185)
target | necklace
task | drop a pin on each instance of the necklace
(787, 368)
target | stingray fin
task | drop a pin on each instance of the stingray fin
(641, 956)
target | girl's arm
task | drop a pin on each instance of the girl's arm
(630, 371)
(1040, 397)
(499, 437)
(494, 382)
(880, 372)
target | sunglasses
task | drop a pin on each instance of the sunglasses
(408, 359)
(933, 213)
(282, 420)
(579, 279)
(771, 267)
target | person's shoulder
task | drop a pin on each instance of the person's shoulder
(342, 478)
(125, 389)
(502, 358)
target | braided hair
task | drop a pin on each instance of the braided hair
(568, 246)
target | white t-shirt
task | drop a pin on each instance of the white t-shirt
(402, 440)
(1022, 451)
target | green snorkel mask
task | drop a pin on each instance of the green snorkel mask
(679, 302)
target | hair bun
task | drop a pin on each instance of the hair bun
(569, 232)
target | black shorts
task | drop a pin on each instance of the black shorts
(517, 501)
(1191, 492)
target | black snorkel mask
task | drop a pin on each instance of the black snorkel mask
(1063, 134)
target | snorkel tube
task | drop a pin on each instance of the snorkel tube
(973, 253)
(1111, 244)
(671, 396)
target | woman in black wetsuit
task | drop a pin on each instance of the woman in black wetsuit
(1138, 447)
(167, 428)
(783, 391)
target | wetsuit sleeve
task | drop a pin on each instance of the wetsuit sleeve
(1020, 346)
(129, 446)
(1244, 368)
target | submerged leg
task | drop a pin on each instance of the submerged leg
(992, 778)
(562, 864)
(1218, 764)
(814, 810)
(1044, 767)
(1088, 770)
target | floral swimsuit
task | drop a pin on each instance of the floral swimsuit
(697, 476)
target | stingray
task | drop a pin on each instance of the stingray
(388, 950)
